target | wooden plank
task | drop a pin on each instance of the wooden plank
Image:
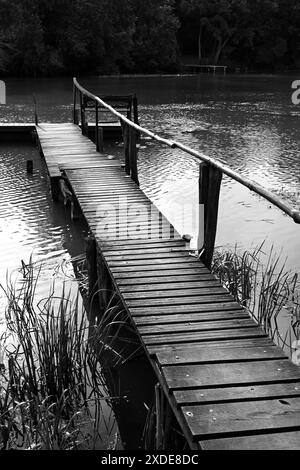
(173, 286)
(112, 219)
(115, 234)
(186, 260)
(58, 153)
(217, 375)
(156, 257)
(220, 420)
(123, 252)
(138, 223)
(195, 337)
(167, 309)
(275, 441)
(184, 356)
(231, 394)
(197, 299)
(184, 326)
(132, 210)
(187, 292)
(104, 185)
(157, 281)
(127, 201)
(230, 342)
(131, 231)
(162, 270)
(189, 317)
(153, 243)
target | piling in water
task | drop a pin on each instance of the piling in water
(29, 167)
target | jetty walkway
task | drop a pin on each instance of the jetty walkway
(227, 383)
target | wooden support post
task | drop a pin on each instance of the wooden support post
(136, 115)
(99, 139)
(82, 113)
(133, 155)
(84, 124)
(74, 104)
(55, 191)
(125, 131)
(104, 283)
(159, 417)
(76, 117)
(209, 191)
(135, 110)
(91, 259)
(29, 167)
(36, 120)
(96, 126)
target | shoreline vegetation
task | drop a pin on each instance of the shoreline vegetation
(53, 395)
(106, 37)
(52, 386)
(261, 283)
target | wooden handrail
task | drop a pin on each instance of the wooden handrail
(252, 185)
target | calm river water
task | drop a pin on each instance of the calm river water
(249, 122)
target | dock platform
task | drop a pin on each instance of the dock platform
(227, 383)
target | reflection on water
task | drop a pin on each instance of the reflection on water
(30, 222)
(32, 225)
(248, 122)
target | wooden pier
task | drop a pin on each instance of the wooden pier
(228, 385)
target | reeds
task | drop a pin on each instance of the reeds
(263, 285)
(51, 386)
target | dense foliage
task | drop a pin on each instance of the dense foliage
(105, 36)
(251, 34)
(42, 37)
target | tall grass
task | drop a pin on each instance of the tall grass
(51, 386)
(263, 285)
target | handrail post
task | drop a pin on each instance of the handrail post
(135, 110)
(74, 103)
(210, 179)
(133, 155)
(36, 120)
(136, 115)
(129, 110)
(82, 117)
(125, 131)
(98, 131)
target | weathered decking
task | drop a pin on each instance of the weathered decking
(229, 386)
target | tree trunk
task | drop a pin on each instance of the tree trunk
(218, 52)
(200, 43)
(220, 47)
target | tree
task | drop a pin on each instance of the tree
(219, 21)
(154, 39)
(7, 36)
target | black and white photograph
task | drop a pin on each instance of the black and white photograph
(149, 228)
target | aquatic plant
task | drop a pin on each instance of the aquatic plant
(52, 390)
(263, 285)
